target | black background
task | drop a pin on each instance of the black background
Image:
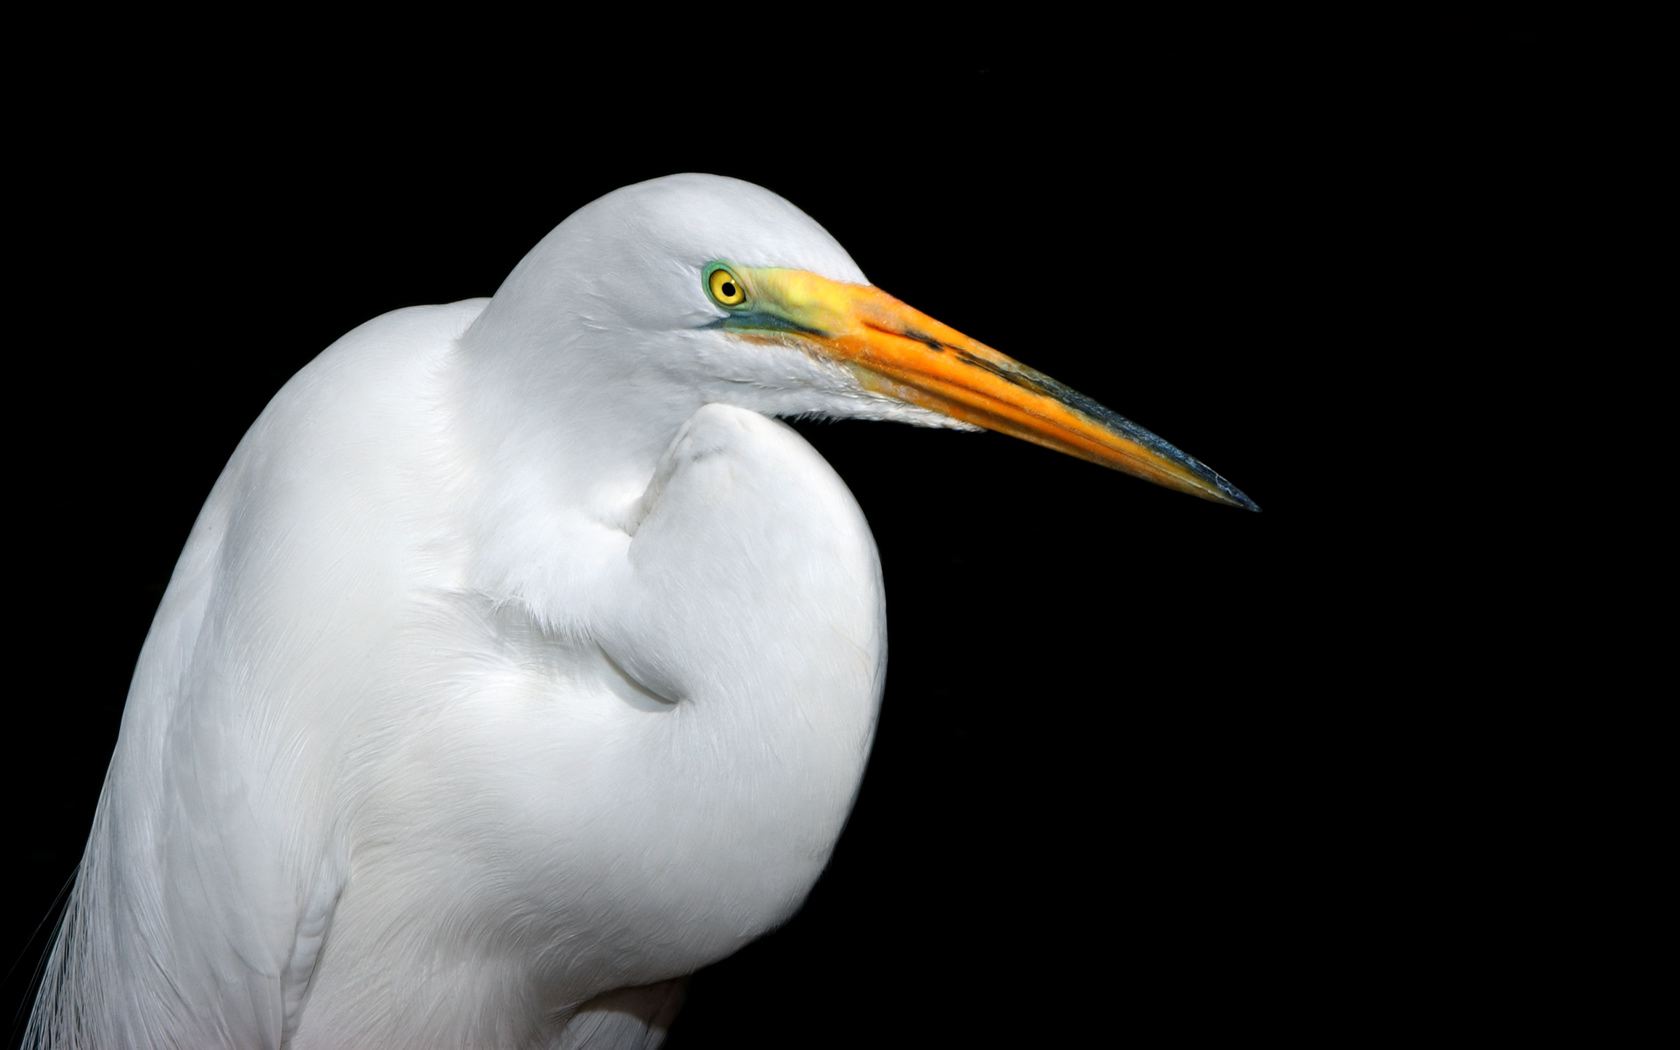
(1138, 769)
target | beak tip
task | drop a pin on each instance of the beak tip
(1211, 486)
(1238, 499)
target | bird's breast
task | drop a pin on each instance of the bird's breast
(635, 800)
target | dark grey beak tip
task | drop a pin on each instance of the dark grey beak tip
(1241, 500)
(1228, 493)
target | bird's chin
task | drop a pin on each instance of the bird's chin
(857, 402)
(887, 409)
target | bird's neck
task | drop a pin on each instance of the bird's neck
(574, 414)
(559, 439)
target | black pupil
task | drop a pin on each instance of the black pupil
(729, 289)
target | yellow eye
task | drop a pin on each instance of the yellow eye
(725, 288)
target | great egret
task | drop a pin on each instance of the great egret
(520, 663)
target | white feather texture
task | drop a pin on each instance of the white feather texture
(516, 661)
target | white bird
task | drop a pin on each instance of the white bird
(520, 663)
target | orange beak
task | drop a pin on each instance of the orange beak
(903, 353)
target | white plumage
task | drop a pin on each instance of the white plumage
(518, 658)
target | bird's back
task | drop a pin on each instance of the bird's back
(214, 856)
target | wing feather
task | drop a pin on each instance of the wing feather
(206, 894)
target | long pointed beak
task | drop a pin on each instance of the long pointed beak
(903, 353)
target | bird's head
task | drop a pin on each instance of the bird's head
(698, 288)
